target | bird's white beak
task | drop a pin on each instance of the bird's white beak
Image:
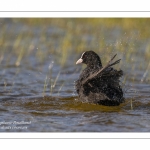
(79, 61)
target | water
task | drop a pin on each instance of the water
(29, 102)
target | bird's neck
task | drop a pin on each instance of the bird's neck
(93, 66)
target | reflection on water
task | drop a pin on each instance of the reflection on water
(37, 91)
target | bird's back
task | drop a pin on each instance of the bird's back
(103, 89)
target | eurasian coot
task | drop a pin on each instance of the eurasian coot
(97, 84)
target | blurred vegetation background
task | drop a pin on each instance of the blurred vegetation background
(67, 38)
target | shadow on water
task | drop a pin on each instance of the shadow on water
(48, 104)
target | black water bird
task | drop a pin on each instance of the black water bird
(98, 84)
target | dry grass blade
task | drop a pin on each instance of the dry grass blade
(107, 66)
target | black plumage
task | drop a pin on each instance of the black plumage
(97, 84)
